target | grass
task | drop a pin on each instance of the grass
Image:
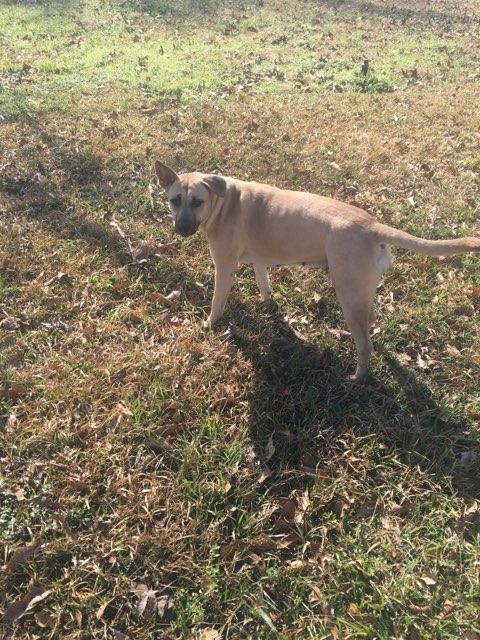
(235, 473)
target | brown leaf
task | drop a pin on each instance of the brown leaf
(44, 619)
(231, 549)
(400, 509)
(287, 541)
(159, 446)
(453, 351)
(340, 507)
(262, 544)
(10, 323)
(22, 554)
(16, 492)
(355, 613)
(288, 507)
(428, 581)
(19, 607)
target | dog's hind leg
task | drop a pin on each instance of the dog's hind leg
(355, 283)
(263, 281)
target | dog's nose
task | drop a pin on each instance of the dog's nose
(184, 228)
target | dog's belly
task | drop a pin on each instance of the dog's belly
(250, 258)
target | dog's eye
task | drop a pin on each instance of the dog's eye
(195, 202)
(176, 201)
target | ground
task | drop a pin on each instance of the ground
(161, 481)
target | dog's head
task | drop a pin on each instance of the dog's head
(191, 196)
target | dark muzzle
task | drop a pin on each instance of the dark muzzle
(185, 224)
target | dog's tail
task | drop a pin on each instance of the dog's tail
(398, 238)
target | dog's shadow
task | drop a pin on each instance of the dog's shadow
(301, 395)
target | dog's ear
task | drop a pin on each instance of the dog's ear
(215, 183)
(165, 175)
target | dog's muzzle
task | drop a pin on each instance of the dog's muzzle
(185, 225)
(186, 229)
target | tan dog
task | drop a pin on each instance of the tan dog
(248, 222)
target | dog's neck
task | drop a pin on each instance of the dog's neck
(218, 206)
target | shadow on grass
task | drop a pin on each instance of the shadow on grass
(406, 14)
(301, 389)
(187, 10)
(46, 187)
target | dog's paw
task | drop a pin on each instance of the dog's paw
(356, 378)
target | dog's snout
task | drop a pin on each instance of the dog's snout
(185, 226)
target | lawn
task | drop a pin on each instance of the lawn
(161, 481)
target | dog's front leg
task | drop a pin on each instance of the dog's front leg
(223, 284)
(263, 281)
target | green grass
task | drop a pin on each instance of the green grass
(136, 446)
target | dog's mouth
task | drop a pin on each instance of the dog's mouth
(185, 231)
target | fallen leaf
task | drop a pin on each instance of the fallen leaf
(335, 166)
(262, 544)
(296, 564)
(159, 446)
(16, 492)
(303, 502)
(44, 619)
(468, 458)
(165, 248)
(231, 549)
(340, 334)
(428, 581)
(19, 607)
(11, 421)
(404, 358)
(22, 554)
(10, 323)
(270, 448)
(147, 601)
(101, 610)
(288, 507)
(316, 595)
(266, 473)
(209, 634)
(61, 278)
(164, 604)
(340, 507)
(453, 351)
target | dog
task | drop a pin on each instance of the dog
(249, 222)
